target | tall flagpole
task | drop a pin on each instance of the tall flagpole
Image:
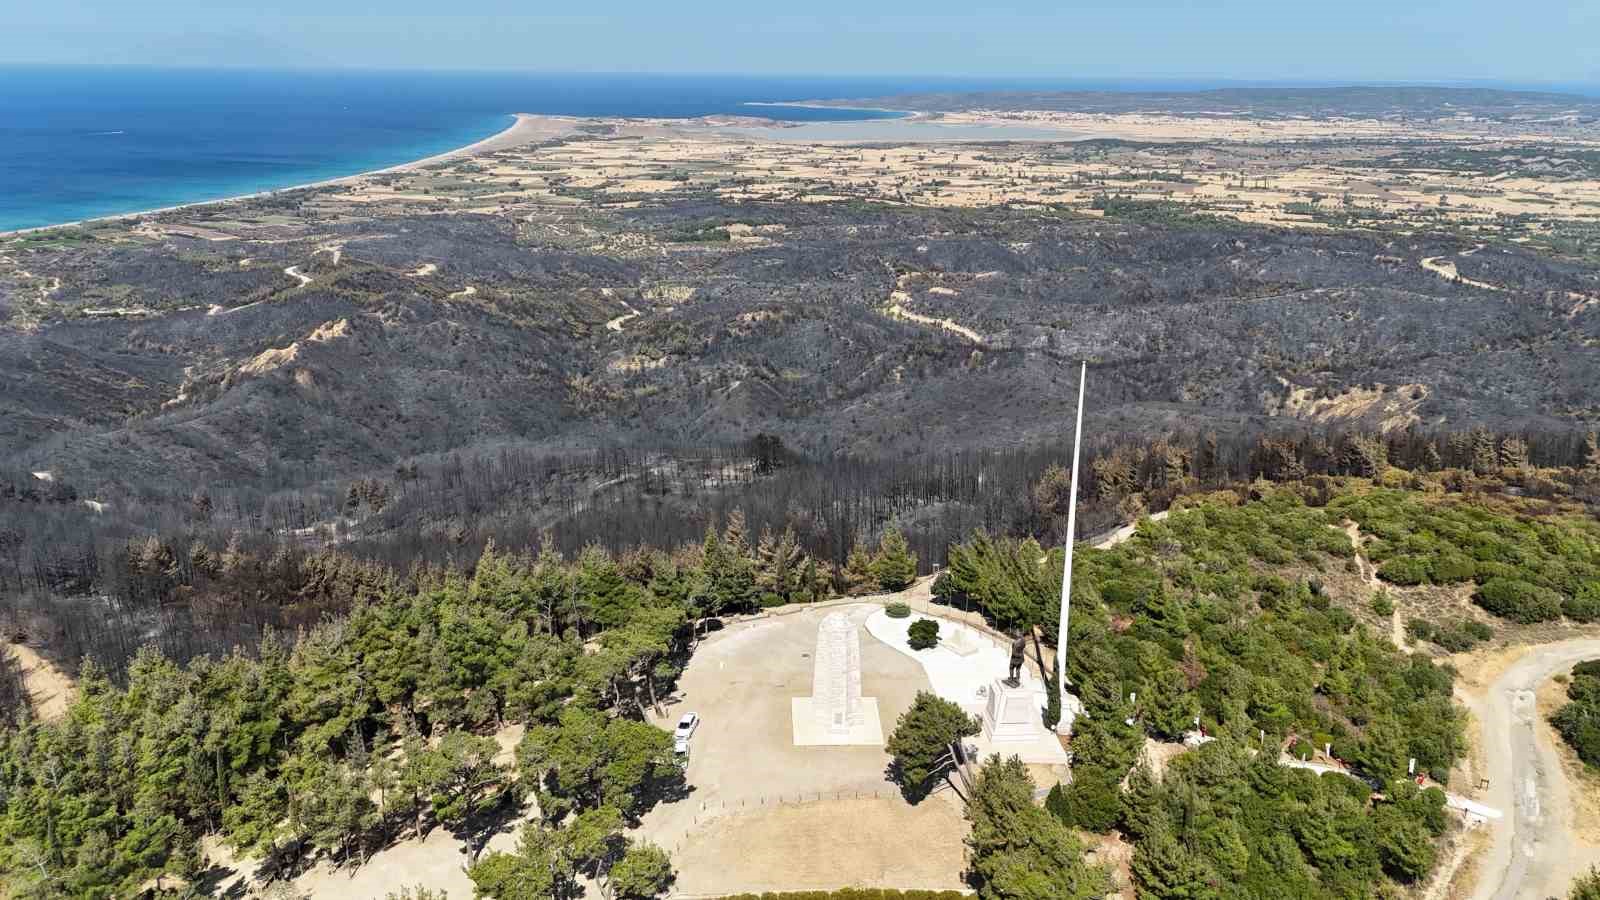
(1064, 725)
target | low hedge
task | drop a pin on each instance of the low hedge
(897, 610)
(855, 894)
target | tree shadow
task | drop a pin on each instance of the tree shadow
(672, 787)
(208, 883)
(912, 792)
(479, 828)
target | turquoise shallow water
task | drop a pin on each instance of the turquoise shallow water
(82, 142)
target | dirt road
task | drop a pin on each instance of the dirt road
(1446, 269)
(1531, 854)
(1112, 538)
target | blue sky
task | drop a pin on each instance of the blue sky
(1528, 41)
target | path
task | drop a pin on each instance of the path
(1531, 854)
(423, 270)
(1369, 575)
(896, 309)
(1447, 270)
(294, 272)
(467, 291)
(617, 323)
(1112, 538)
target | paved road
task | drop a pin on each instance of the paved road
(1531, 853)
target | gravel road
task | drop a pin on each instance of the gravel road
(1531, 854)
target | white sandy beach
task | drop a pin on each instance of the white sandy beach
(525, 130)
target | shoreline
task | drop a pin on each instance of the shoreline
(818, 104)
(526, 128)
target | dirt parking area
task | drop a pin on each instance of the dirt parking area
(750, 823)
(831, 844)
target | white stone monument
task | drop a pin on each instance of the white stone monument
(959, 639)
(1011, 714)
(836, 714)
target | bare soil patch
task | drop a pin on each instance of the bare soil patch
(49, 688)
(1584, 824)
(835, 843)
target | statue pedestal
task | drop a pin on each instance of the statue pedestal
(1011, 714)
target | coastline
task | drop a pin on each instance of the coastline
(818, 104)
(526, 128)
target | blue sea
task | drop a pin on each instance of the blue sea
(80, 142)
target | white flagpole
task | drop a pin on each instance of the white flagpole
(1062, 725)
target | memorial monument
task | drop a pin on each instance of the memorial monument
(836, 714)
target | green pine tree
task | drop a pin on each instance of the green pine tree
(895, 566)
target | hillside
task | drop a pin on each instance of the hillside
(427, 333)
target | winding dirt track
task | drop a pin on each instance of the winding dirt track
(1531, 854)
(617, 323)
(1447, 270)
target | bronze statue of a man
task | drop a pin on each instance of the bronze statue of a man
(1017, 646)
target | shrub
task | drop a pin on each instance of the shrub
(1381, 604)
(924, 634)
(1453, 568)
(1454, 639)
(769, 600)
(1341, 620)
(1419, 630)
(1519, 601)
(1405, 570)
(1092, 802)
(1580, 727)
(1272, 590)
(1586, 886)
(1463, 634)
(1585, 607)
(897, 610)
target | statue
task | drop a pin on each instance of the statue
(1017, 647)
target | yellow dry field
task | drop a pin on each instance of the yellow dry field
(1265, 172)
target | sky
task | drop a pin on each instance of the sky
(1530, 41)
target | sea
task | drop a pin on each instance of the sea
(78, 142)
